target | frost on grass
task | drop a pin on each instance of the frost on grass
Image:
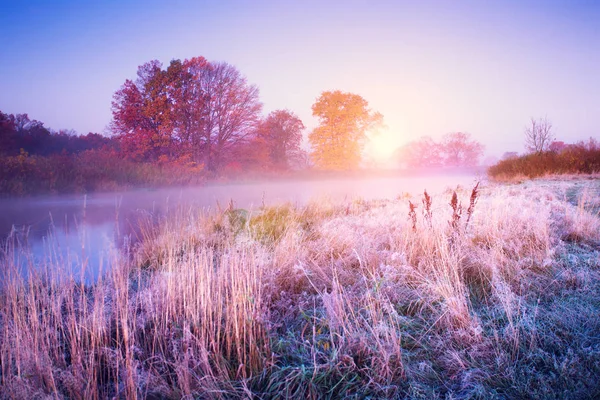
(492, 293)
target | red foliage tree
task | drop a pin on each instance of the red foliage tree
(191, 109)
(142, 114)
(281, 132)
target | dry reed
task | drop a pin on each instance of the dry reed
(322, 301)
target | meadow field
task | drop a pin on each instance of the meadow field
(475, 292)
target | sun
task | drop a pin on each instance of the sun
(381, 147)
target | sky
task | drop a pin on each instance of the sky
(429, 67)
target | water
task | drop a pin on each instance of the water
(76, 229)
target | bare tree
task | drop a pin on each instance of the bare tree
(538, 136)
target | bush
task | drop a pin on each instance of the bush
(573, 159)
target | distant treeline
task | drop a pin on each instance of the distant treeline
(192, 121)
(35, 159)
(582, 157)
(195, 120)
(19, 133)
(455, 150)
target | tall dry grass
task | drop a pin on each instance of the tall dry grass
(458, 297)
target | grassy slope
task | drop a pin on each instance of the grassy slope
(329, 301)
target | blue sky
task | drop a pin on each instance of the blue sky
(428, 67)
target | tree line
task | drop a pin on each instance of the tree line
(206, 113)
(200, 112)
(194, 119)
(456, 149)
(19, 133)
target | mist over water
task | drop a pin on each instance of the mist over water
(84, 228)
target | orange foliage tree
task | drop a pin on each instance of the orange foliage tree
(344, 119)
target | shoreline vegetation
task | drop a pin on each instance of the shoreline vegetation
(35, 160)
(95, 164)
(484, 292)
(92, 171)
(579, 158)
(27, 176)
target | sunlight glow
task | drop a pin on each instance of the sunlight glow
(381, 147)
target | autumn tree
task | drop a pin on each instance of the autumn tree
(422, 153)
(344, 119)
(21, 132)
(231, 112)
(250, 154)
(190, 106)
(142, 114)
(7, 134)
(455, 150)
(538, 135)
(460, 150)
(215, 109)
(193, 108)
(281, 132)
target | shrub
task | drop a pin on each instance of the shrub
(573, 159)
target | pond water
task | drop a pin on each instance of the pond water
(76, 229)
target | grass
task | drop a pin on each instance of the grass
(490, 292)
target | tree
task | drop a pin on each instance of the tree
(281, 131)
(538, 136)
(28, 134)
(460, 150)
(142, 114)
(231, 111)
(455, 150)
(191, 98)
(8, 136)
(423, 153)
(22, 123)
(251, 154)
(191, 109)
(344, 119)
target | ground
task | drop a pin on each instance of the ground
(494, 297)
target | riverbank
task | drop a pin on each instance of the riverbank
(496, 296)
(95, 171)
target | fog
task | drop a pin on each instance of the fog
(87, 227)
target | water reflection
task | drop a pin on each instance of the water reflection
(81, 229)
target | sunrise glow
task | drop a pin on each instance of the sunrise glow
(390, 199)
(383, 145)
